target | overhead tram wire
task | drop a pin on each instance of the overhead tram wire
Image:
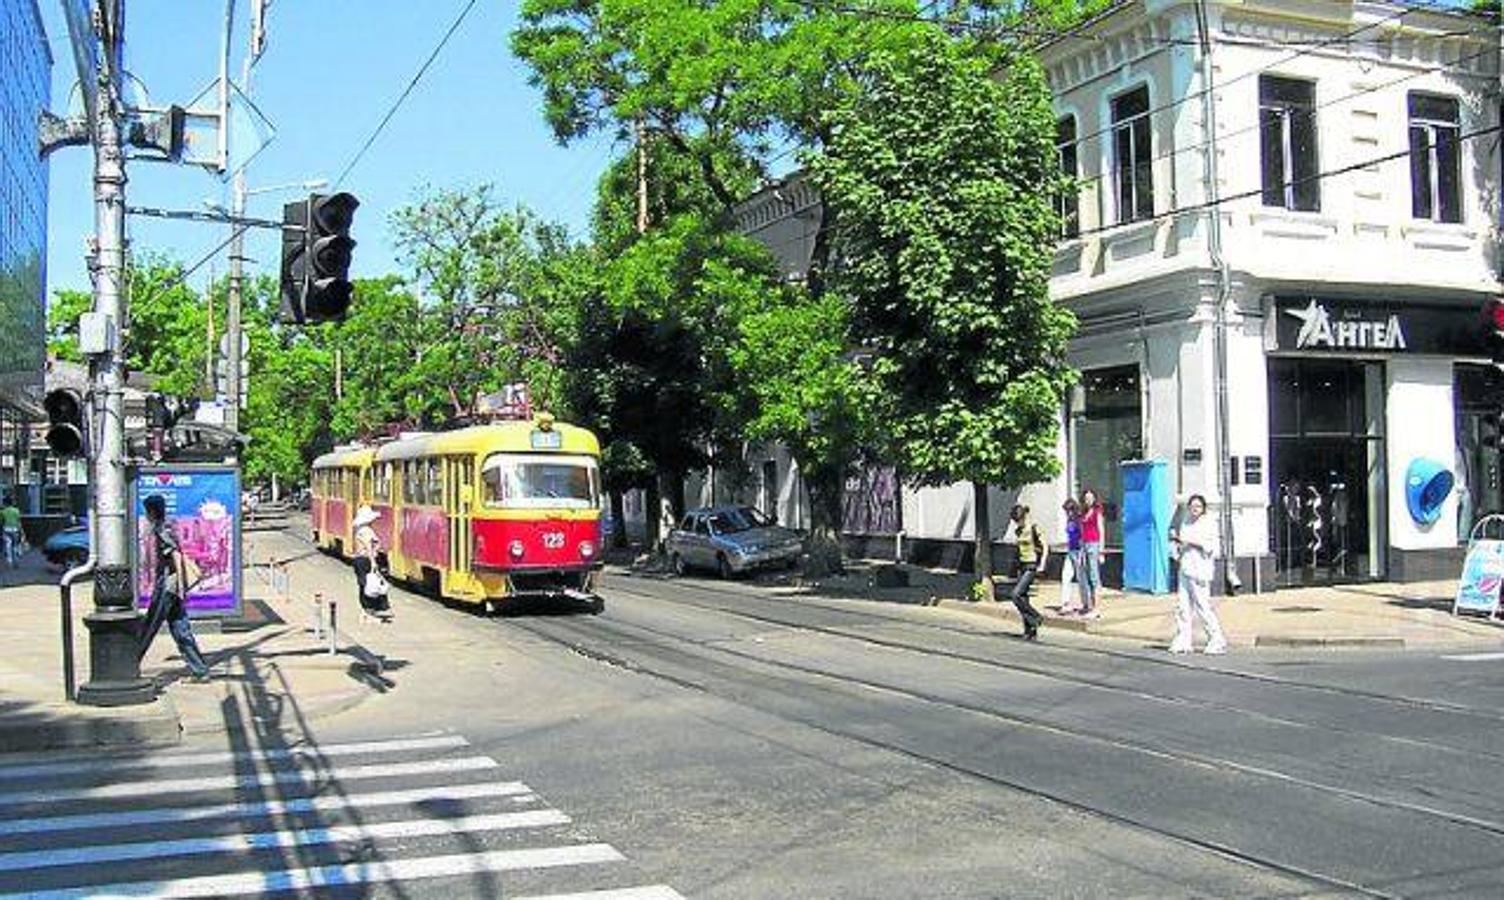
(396, 104)
(1224, 200)
(995, 32)
(1259, 191)
(1344, 98)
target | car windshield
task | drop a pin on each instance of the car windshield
(731, 521)
(512, 480)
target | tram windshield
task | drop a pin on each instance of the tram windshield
(513, 480)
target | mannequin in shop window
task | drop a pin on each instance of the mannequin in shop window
(1339, 513)
(1314, 524)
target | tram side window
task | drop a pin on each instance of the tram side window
(412, 485)
(435, 486)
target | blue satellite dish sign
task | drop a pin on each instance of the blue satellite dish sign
(1427, 484)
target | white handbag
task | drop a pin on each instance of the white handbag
(376, 585)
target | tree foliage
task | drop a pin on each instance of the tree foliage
(943, 175)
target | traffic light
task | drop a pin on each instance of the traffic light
(65, 421)
(316, 249)
(294, 223)
(1493, 320)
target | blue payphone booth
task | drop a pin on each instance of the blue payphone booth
(1147, 509)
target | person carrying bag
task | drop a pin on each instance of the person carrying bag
(371, 587)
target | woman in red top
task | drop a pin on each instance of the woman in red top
(1091, 543)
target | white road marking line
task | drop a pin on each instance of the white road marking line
(1475, 657)
(179, 760)
(649, 892)
(178, 814)
(373, 872)
(250, 781)
(267, 840)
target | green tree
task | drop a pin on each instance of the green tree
(810, 394)
(943, 174)
(485, 273)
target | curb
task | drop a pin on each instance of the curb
(74, 727)
(1266, 640)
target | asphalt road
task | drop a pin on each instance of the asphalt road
(713, 740)
(737, 744)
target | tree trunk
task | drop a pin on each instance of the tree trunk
(618, 536)
(983, 518)
(675, 488)
(825, 556)
(652, 515)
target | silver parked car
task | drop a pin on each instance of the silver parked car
(731, 540)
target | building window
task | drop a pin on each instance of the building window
(1132, 160)
(1108, 428)
(1287, 132)
(1435, 158)
(1067, 205)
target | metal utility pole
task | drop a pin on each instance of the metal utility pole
(1224, 299)
(233, 329)
(115, 670)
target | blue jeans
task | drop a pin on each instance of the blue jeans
(167, 607)
(12, 546)
(1090, 575)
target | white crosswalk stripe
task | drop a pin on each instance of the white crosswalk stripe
(283, 819)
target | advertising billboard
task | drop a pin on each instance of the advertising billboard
(203, 505)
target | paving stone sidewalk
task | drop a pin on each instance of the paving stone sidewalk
(270, 671)
(1412, 615)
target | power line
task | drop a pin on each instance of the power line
(405, 91)
(1360, 92)
(1208, 204)
(1259, 191)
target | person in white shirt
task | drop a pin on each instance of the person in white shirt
(365, 564)
(1196, 540)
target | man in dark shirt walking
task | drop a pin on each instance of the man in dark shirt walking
(169, 585)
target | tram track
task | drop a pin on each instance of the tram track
(1156, 659)
(620, 656)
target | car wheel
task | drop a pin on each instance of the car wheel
(723, 566)
(677, 562)
(74, 558)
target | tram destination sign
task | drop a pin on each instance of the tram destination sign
(1348, 325)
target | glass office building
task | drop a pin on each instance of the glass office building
(25, 89)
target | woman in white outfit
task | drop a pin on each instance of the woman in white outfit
(1197, 541)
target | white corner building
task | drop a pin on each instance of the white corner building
(1333, 191)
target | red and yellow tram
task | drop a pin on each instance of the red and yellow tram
(476, 515)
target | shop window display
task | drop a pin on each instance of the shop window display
(1327, 490)
(1109, 428)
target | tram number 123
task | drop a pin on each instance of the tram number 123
(553, 540)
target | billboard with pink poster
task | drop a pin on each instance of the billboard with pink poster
(203, 505)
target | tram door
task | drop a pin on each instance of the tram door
(458, 489)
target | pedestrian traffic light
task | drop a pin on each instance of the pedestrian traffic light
(327, 256)
(316, 248)
(65, 421)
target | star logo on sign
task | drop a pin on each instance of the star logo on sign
(1315, 324)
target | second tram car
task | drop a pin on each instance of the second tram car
(474, 515)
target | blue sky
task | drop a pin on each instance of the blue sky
(472, 119)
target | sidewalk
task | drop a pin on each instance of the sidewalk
(269, 670)
(1415, 616)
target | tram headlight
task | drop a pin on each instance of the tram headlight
(587, 549)
(515, 548)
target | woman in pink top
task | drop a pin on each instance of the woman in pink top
(1091, 543)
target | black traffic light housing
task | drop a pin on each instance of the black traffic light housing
(1493, 320)
(65, 421)
(316, 248)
